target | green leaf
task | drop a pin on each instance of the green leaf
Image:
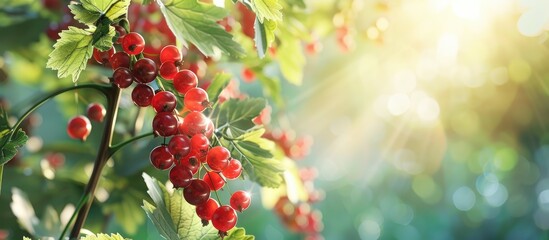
(33, 29)
(83, 14)
(102, 236)
(177, 212)
(267, 9)
(102, 37)
(260, 38)
(291, 59)
(9, 146)
(219, 82)
(238, 234)
(90, 11)
(71, 52)
(195, 22)
(256, 155)
(237, 114)
(1, 176)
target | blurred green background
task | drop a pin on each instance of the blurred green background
(432, 125)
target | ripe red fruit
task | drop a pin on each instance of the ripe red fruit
(200, 144)
(161, 158)
(224, 218)
(119, 59)
(96, 112)
(144, 70)
(180, 146)
(170, 53)
(248, 75)
(218, 158)
(180, 176)
(196, 123)
(133, 43)
(121, 33)
(164, 124)
(191, 162)
(197, 192)
(168, 70)
(164, 101)
(142, 95)
(233, 170)
(196, 99)
(184, 80)
(79, 127)
(206, 210)
(122, 77)
(240, 200)
(102, 56)
(214, 180)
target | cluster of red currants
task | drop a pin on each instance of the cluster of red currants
(79, 127)
(301, 217)
(188, 150)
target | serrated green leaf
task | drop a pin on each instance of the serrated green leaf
(267, 9)
(71, 53)
(194, 21)
(102, 236)
(256, 155)
(10, 146)
(90, 11)
(103, 37)
(238, 114)
(219, 82)
(238, 234)
(291, 59)
(177, 212)
(84, 15)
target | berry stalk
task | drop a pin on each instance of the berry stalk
(113, 100)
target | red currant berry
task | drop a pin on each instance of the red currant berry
(133, 43)
(184, 80)
(191, 162)
(218, 158)
(144, 70)
(119, 59)
(195, 123)
(56, 160)
(142, 95)
(122, 77)
(164, 101)
(180, 176)
(206, 210)
(79, 127)
(200, 144)
(121, 33)
(197, 192)
(168, 70)
(161, 158)
(102, 57)
(96, 112)
(248, 75)
(180, 146)
(233, 170)
(224, 218)
(240, 200)
(164, 124)
(170, 53)
(214, 180)
(196, 99)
